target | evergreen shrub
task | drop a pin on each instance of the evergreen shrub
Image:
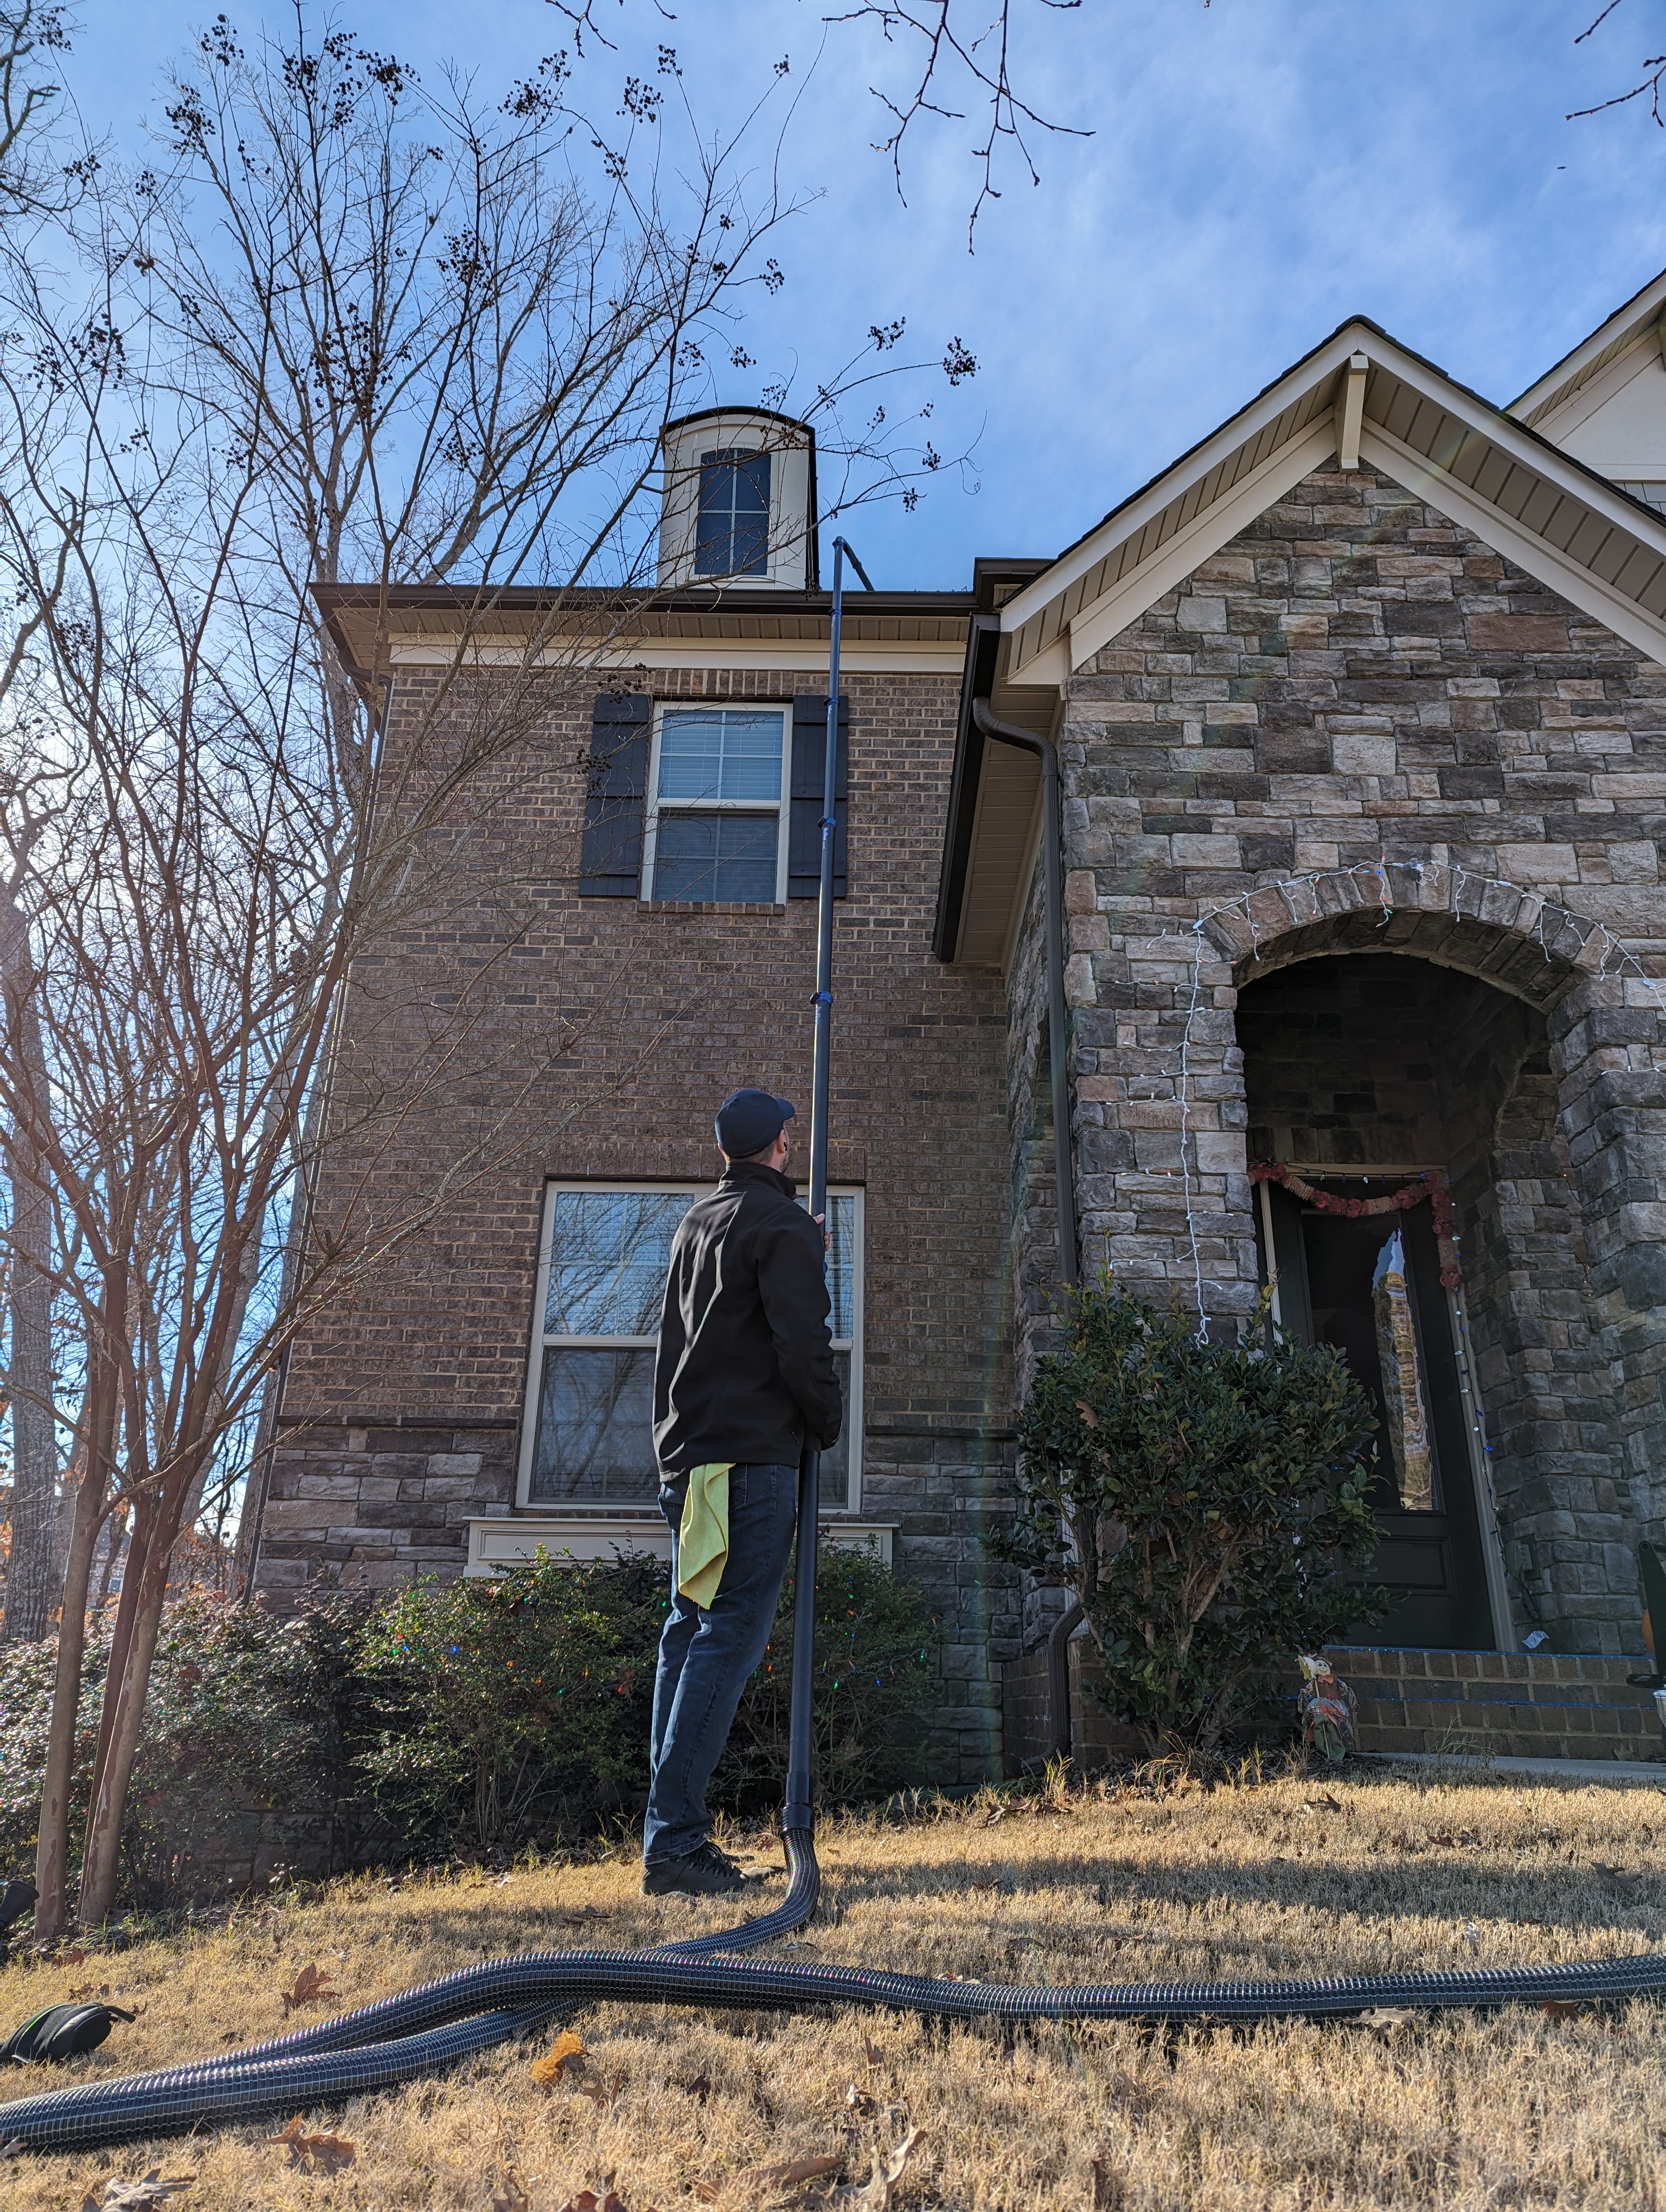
(470, 1715)
(1205, 1501)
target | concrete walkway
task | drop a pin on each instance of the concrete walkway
(1576, 1770)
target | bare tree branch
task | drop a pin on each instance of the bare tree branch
(983, 58)
(1654, 66)
(344, 330)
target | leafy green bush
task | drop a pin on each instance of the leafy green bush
(511, 1702)
(242, 1717)
(875, 1640)
(1201, 1499)
(459, 1714)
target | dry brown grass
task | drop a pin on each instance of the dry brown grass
(1308, 1876)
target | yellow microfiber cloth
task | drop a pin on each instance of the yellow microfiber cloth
(703, 1542)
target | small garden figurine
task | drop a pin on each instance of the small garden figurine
(1326, 1706)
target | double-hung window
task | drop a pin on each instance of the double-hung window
(588, 1438)
(716, 793)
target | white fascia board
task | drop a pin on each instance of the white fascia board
(1594, 394)
(1352, 338)
(1571, 578)
(947, 659)
(1096, 625)
(1632, 318)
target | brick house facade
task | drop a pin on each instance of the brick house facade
(1361, 714)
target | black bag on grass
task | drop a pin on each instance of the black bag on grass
(62, 2030)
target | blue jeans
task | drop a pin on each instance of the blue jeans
(706, 1654)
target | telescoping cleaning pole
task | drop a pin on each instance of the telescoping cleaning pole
(797, 1813)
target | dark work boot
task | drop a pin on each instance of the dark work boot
(708, 1872)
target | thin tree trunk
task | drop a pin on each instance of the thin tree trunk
(52, 1862)
(160, 1513)
(31, 1570)
(52, 1877)
(126, 1688)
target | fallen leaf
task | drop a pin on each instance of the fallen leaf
(1562, 2009)
(146, 2195)
(585, 1913)
(314, 2154)
(1387, 2016)
(586, 2200)
(875, 2195)
(601, 2093)
(784, 2176)
(1326, 1804)
(871, 2051)
(701, 2086)
(565, 2057)
(312, 1987)
(860, 2100)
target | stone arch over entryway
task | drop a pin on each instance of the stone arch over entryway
(1513, 937)
(1549, 1036)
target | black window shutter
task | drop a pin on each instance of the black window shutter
(804, 845)
(610, 866)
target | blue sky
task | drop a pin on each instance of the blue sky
(1258, 170)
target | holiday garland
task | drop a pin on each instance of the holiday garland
(1432, 1185)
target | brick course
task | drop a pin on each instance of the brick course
(663, 1008)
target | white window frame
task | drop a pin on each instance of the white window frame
(778, 807)
(580, 1509)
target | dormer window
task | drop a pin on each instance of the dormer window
(738, 506)
(732, 529)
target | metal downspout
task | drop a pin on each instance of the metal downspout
(1053, 899)
(1057, 1641)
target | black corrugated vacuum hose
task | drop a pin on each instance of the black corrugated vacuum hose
(430, 2029)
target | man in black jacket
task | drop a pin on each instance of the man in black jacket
(743, 1384)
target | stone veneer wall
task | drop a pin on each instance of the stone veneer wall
(1358, 727)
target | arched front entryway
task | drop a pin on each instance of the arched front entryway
(1417, 1018)
(1368, 1074)
(1543, 1034)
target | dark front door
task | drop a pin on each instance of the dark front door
(1340, 1282)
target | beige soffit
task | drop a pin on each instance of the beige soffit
(1637, 321)
(857, 656)
(897, 632)
(1602, 549)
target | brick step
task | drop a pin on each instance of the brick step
(1508, 1705)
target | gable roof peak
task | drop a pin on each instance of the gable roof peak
(1635, 322)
